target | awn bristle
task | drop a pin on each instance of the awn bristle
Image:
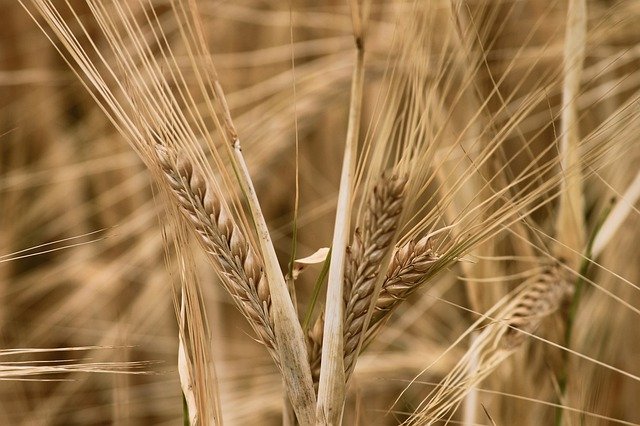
(538, 300)
(370, 245)
(239, 266)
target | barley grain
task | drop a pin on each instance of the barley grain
(239, 266)
(370, 245)
(538, 300)
(409, 268)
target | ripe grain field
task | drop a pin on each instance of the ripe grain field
(357, 213)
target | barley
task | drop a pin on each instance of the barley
(362, 267)
(408, 270)
(410, 266)
(524, 313)
(240, 267)
(538, 300)
(369, 247)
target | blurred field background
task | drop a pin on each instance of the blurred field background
(94, 272)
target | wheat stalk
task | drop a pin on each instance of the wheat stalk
(240, 267)
(570, 224)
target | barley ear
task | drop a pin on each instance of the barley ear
(538, 300)
(368, 253)
(515, 319)
(410, 267)
(240, 268)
